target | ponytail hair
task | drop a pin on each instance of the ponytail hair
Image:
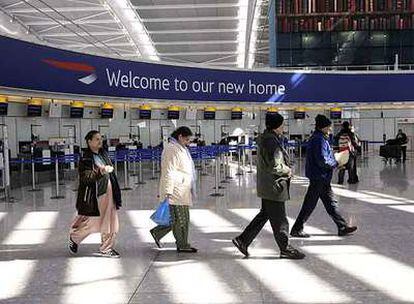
(183, 131)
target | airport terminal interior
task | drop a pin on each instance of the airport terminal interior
(196, 104)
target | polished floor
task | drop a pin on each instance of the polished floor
(376, 265)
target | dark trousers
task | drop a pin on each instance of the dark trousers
(352, 171)
(404, 153)
(276, 213)
(319, 190)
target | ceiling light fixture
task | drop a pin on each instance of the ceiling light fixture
(253, 36)
(127, 16)
(241, 29)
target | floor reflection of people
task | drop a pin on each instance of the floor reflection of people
(395, 176)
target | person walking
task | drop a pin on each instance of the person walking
(402, 140)
(99, 197)
(320, 163)
(273, 182)
(177, 184)
(348, 141)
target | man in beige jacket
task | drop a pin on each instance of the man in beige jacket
(177, 184)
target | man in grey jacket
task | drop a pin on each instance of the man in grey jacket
(273, 182)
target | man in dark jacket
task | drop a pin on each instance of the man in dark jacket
(402, 140)
(348, 141)
(273, 181)
(320, 163)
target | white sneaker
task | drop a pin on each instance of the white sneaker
(111, 253)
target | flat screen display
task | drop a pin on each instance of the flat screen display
(209, 115)
(236, 115)
(144, 114)
(34, 110)
(76, 112)
(107, 113)
(3, 108)
(299, 115)
(336, 115)
(173, 114)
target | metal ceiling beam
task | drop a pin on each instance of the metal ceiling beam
(86, 2)
(68, 34)
(65, 22)
(188, 42)
(190, 19)
(16, 28)
(59, 9)
(194, 31)
(185, 6)
(65, 40)
(115, 44)
(114, 39)
(196, 42)
(137, 7)
(192, 54)
(199, 53)
(31, 16)
(76, 21)
(78, 27)
(223, 63)
(220, 58)
(108, 27)
(13, 4)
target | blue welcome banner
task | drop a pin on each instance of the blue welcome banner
(29, 66)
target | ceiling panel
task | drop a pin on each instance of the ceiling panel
(190, 12)
(186, 30)
(196, 47)
(190, 2)
(194, 37)
(194, 25)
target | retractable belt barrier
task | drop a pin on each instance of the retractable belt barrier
(65, 159)
(219, 153)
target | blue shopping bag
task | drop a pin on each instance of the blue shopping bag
(162, 215)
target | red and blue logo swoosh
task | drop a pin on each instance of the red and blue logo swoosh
(75, 67)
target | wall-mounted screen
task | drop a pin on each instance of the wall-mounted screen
(34, 110)
(173, 114)
(3, 108)
(76, 112)
(107, 113)
(144, 114)
(209, 115)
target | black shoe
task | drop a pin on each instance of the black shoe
(299, 234)
(291, 253)
(242, 247)
(157, 241)
(72, 246)
(115, 252)
(347, 230)
(111, 253)
(187, 250)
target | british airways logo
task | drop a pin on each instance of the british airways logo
(75, 67)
